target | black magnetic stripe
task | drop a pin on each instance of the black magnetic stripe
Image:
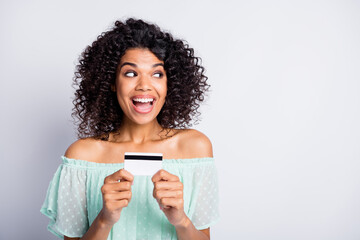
(142, 157)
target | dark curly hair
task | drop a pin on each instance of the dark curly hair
(96, 107)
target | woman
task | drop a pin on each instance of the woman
(139, 88)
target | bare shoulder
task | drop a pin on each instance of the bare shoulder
(194, 143)
(88, 149)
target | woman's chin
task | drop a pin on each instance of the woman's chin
(143, 120)
(143, 116)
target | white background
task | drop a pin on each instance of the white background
(283, 114)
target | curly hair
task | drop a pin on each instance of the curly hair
(96, 107)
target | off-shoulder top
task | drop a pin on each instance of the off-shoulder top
(74, 199)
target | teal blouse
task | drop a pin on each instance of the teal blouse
(74, 199)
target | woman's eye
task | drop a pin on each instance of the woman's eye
(130, 74)
(158, 75)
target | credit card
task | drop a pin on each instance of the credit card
(145, 164)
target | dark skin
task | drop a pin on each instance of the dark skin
(142, 73)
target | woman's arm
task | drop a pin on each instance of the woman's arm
(116, 191)
(196, 144)
(188, 231)
(97, 230)
(116, 195)
(168, 191)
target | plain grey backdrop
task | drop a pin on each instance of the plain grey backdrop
(283, 113)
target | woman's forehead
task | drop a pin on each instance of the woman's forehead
(140, 56)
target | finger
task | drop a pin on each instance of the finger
(177, 203)
(164, 175)
(121, 175)
(168, 194)
(120, 186)
(117, 196)
(164, 185)
(110, 205)
(116, 187)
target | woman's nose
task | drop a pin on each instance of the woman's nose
(144, 83)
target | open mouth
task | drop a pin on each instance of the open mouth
(142, 101)
(143, 105)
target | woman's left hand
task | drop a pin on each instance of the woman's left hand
(168, 191)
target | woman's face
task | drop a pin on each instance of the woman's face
(141, 85)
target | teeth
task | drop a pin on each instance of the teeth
(143, 100)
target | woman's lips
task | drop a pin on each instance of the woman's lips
(143, 107)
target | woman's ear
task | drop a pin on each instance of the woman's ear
(113, 88)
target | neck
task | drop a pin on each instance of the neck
(138, 134)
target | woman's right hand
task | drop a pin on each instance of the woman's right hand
(116, 193)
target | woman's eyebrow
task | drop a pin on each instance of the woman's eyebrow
(158, 64)
(134, 65)
(127, 63)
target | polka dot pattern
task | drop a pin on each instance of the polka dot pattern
(207, 200)
(72, 213)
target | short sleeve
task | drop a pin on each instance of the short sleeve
(206, 205)
(65, 202)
